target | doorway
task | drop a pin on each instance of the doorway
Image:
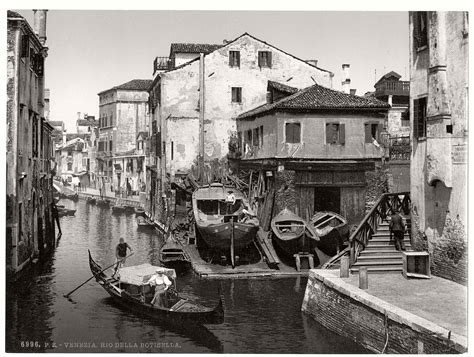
(327, 199)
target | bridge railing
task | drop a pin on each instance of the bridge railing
(383, 208)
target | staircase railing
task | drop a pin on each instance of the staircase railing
(384, 207)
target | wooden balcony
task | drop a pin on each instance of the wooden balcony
(385, 88)
(161, 64)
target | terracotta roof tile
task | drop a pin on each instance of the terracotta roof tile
(193, 48)
(317, 97)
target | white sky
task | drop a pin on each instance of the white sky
(93, 50)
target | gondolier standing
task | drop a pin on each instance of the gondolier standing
(121, 253)
(397, 227)
(230, 201)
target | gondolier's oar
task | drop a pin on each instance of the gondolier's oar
(93, 276)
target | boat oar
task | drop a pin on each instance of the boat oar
(93, 276)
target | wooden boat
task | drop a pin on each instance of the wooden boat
(103, 202)
(129, 209)
(130, 291)
(332, 230)
(222, 227)
(292, 234)
(172, 255)
(139, 211)
(118, 209)
(144, 223)
(62, 211)
(91, 200)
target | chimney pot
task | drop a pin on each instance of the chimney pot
(353, 91)
(40, 24)
(346, 80)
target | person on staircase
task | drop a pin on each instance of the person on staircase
(397, 228)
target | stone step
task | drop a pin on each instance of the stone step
(382, 250)
(379, 270)
(385, 242)
(380, 257)
(385, 262)
(387, 235)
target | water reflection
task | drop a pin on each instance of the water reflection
(262, 316)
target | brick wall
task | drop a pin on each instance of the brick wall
(342, 313)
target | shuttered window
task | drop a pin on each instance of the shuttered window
(264, 59)
(372, 131)
(236, 95)
(335, 133)
(25, 46)
(419, 118)
(420, 29)
(234, 58)
(293, 133)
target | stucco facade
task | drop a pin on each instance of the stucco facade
(29, 224)
(439, 115)
(179, 106)
(123, 113)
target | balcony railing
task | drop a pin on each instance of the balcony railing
(161, 64)
(393, 88)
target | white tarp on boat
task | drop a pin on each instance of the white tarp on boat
(140, 274)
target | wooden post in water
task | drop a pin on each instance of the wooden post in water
(363, 278)
(232, 257)
(344, 270)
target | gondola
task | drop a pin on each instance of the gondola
(131, 292)
(172, 255)
(144, 223)
(221, 226)
(332, 230)
(62, 211)
(103, 202)
(139, 211)
(118, 209)
(292, 234)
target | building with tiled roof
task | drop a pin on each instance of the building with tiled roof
(326, 139)
(134, 84)
(317, 97)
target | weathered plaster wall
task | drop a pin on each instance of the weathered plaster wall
(438, 170)
(394, 122)
(180, 91)
(313, 140)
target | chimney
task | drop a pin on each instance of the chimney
(78, 115)
(40, 24)
(312, 62)
(346, 80)
(353, 91)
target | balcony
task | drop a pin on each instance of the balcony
(385, 88)
(161, 64)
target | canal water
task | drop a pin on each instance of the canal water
(261, 316)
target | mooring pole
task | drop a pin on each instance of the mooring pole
(232, 257)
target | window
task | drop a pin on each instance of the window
(372, 131)
(419, 117)
(256, 137)
(69, 166)
(172, 150)
(420, 29)
(25, 46)
(110, 145)
(236, 94)
(335, 133)
(405, 118)
(264, 59)
(234, 58)
(293, 133)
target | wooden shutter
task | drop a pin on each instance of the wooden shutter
(237, 58)
(25, 46)
(269, 59)
(368, 133)
(260, 59)
(342, 134)
(416, 108)
(379, 132)
(329, 132)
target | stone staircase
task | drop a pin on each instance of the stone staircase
(380, 255)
